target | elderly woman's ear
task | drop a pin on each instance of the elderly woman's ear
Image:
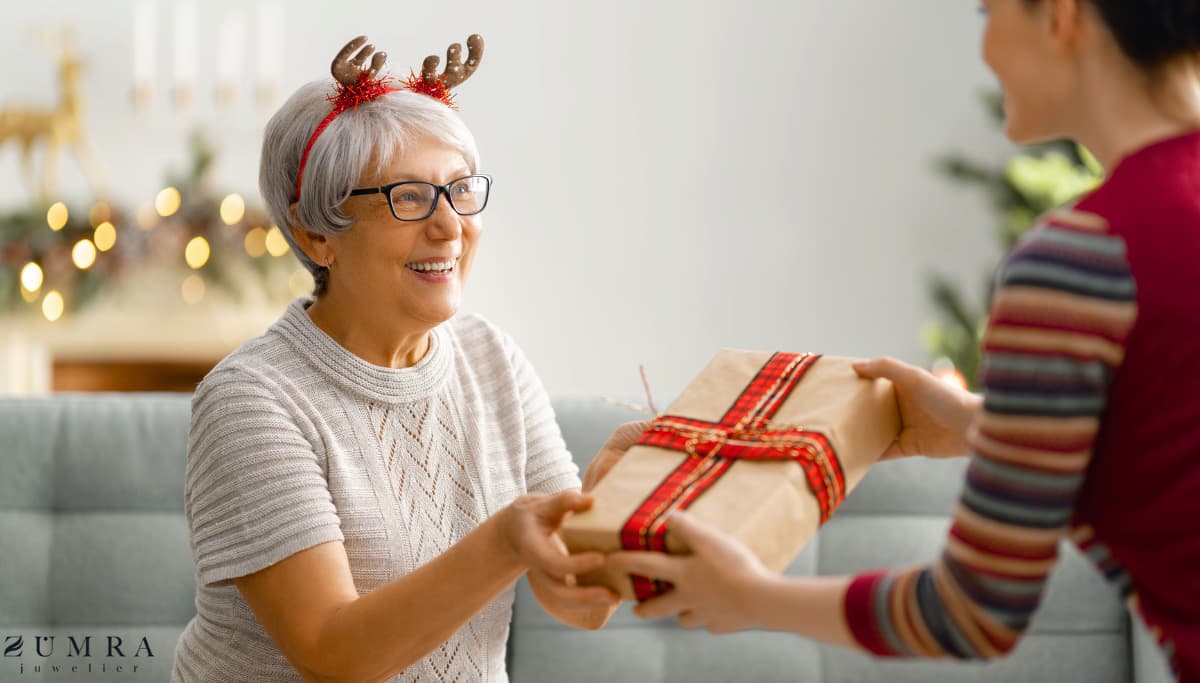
(313, 244)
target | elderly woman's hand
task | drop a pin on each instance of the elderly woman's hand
(532, 531)
(613, 450)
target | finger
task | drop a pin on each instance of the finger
(626, 435)
(693, 532)
(559, 565)
(655, 565)
(885, 367)
(584, 595)
(691, 620)
(663, 606)
(553, 508)
(894, 451)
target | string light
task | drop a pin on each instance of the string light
(196, 253)
(31, 277)
(100, 213)
(255, 242)
(53, 305)
(105, 236)
(276, 244)
(147, 217)
(193, 289)
(57, 215)
(233, 208)
(167, 202)
(83, 254)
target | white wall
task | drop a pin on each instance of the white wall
(672, 176)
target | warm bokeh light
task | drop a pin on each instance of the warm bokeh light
(105, 236)
(193, 289)
(167, 202)
(31, 277)
(57, 215)
(300, 283)
(196, 253)
(233, 208)
(100, 213)
(83, 254)
(147, 217)
(944, 370)
(256, 242)
(53, 305)
(276, 244)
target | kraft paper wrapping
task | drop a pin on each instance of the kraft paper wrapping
(768, 506)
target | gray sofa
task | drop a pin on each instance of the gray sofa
(94, 553)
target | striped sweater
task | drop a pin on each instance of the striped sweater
(1090, 429)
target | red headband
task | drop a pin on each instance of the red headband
(356, 82)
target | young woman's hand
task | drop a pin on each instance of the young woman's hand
(935, 415)
(718, 586)
(621, 440)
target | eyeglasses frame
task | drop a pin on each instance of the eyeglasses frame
(386, 191)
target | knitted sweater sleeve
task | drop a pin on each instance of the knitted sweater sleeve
(1065, 303)
(256, 490)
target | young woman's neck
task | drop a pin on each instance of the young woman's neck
(1128, 109)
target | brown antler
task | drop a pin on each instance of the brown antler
(456, 72)
(348, 66)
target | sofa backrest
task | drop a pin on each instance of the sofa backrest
(94, 554)
(94, 561)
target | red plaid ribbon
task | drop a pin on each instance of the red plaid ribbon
(742, 434)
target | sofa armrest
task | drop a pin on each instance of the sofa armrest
(1149, 662)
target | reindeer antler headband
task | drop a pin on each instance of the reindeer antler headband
(358, 82)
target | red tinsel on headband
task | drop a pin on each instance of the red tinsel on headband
(365, 90)
(437, 89)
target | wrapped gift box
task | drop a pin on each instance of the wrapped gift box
(763, 446)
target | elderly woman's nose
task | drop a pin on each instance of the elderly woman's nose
(444, 223)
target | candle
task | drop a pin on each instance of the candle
(185, 52)
(144, 45)
(270, 50)
(230, 60)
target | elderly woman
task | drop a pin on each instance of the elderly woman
(366, 480)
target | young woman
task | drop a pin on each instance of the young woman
(1089, 423)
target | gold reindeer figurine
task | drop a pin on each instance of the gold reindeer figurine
(54, 128)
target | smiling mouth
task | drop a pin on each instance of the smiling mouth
(433, 267)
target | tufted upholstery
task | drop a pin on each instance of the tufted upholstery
(93, 545)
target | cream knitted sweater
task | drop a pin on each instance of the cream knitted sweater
(295, 442)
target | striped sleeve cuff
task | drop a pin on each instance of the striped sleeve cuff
(859, 609)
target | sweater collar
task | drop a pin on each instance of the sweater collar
(357, 376)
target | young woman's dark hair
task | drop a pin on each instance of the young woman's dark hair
(1151, 32)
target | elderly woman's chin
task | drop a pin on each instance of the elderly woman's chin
(431, 301)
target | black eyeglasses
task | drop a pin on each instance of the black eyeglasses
(415, 200)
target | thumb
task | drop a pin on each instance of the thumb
(556, 506)
(886, 368)
(623, 437)
(694, 533)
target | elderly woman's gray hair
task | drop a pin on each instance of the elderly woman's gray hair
(373, 134)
